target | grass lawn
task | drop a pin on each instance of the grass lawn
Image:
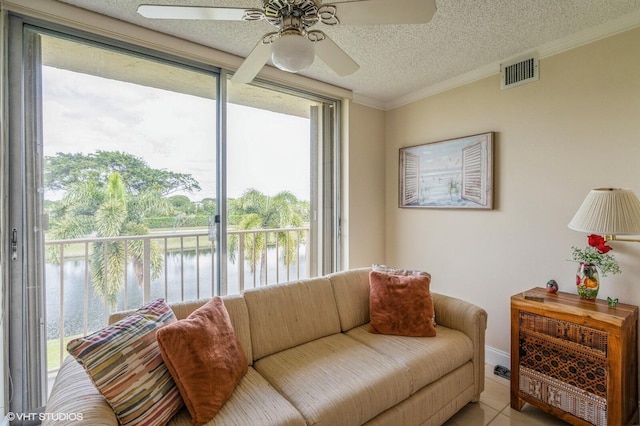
(53, 351)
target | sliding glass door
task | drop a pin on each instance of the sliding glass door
(279, 146)
(129, 184)
(116, 173)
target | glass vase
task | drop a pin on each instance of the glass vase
(587, 281)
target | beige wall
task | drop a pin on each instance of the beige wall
(365, 186)
(576, 128)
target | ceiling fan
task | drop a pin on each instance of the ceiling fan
(294, 45)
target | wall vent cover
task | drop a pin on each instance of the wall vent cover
(519, 71)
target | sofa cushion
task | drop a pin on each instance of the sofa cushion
(286, 315)
(426, 358)
(336, 380)
(124, 362)
(75, 394)
(351, 290)
(401, 304)
(435, 403)
(254, 402)
(239, 315)
(204, 357)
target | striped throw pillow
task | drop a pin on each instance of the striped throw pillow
(125, 364)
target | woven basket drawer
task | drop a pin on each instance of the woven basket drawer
(564, 365)
(565, 331)
(571, 399)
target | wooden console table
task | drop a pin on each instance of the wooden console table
(575, 359)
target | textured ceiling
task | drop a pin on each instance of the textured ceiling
(395, 61)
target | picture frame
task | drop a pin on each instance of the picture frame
(454, 173)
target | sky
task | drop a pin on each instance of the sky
(266, 150)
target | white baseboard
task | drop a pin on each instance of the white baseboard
(495, 356)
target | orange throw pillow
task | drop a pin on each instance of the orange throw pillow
(205, 359)
(401, 305)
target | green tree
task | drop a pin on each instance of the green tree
(254, 210)
(65, 169)
(108, 210)
(208, 206)
(183, 210)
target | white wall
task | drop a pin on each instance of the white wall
(576, 128)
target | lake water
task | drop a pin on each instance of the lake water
(190, 271)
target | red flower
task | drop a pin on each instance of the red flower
(599, 243)
(603, 248)
(595, 240)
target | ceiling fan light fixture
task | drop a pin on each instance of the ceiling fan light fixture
(293, 52)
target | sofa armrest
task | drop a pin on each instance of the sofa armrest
(471, 320)
(75, 400)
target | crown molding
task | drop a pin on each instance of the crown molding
(590, 35)
(572, 41)
(369, 102)
(452, 83)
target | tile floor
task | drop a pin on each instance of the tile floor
(494, 408)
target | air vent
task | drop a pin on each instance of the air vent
(519, 71)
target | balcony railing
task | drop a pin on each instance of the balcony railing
(188, 271)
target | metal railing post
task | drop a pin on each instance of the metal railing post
(62, 351)
(146, 270)
(241, 261)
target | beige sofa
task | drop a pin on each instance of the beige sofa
(312, 361)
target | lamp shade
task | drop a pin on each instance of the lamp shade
(293, 52)
(608, 211)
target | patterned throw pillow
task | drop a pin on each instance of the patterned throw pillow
(124, 363)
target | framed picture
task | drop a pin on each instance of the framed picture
(455, 173)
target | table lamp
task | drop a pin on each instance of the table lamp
(609, 212)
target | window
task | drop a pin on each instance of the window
(146, 176)
(474, 184)
(411, 187)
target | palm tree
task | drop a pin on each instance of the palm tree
(254, 210)
(108, 211)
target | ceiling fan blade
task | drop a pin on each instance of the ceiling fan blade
(253, 64)
(336, 58)
(382, 12)
(155, 11)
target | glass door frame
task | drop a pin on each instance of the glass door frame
(28, 387)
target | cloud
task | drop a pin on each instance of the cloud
(177, 132)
